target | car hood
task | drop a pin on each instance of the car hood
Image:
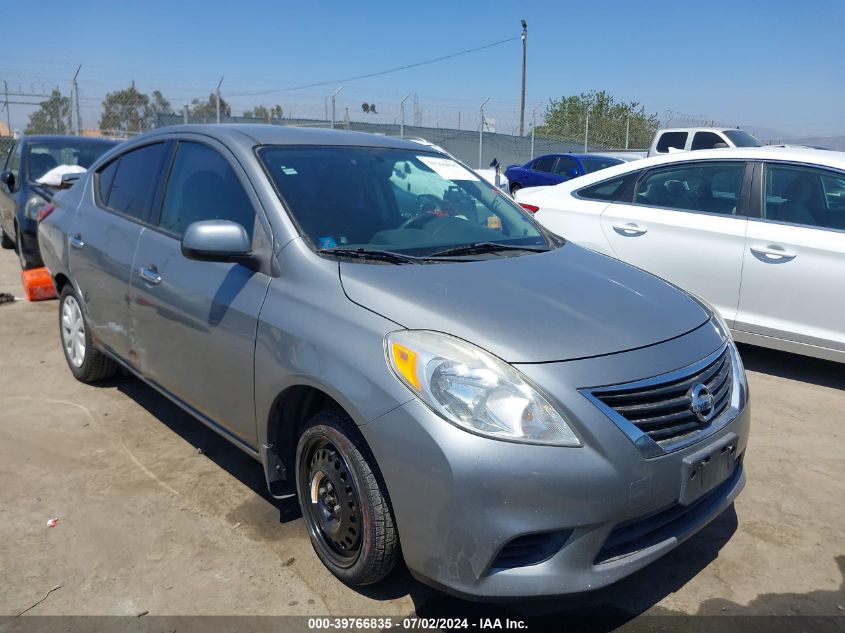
(564, 304)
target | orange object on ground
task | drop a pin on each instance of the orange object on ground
(37, 284)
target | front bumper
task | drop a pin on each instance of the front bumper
(460, 499)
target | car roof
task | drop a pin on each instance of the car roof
(249, 135)
(806, 155)
(67, 137)
(578, 156)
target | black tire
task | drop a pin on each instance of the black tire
(515, 187)
(6, 241)
(90, 364)
(25, 264)
(330, 451)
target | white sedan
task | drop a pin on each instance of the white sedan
(758, 232)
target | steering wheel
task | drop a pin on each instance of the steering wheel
(418, 221)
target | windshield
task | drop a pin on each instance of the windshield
(45, 155)
(595, 164)
(411, 202)
(742, 139)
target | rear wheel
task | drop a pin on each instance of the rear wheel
(6, 241)
(25, 265)
(85, 362)
(344, 501)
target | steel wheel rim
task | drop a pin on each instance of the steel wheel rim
(331, 503)
(73, 332)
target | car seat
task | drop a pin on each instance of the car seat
(796, 209)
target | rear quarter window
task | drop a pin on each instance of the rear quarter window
(607, 190)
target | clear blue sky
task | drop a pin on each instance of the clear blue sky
(772, 64)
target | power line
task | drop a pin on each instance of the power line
(377, 74)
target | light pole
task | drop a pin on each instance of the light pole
(586, 130)
(522, 98)
(533, 127)
(627, 129)
(402, 115)
(334, 94)
(481, 132)
(218, 99)
(74, 103)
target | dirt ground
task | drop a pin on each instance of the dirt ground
(157, 514)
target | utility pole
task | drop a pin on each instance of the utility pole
(218, 100)
(326, 106)
(533, 127)
(627, 129)
(334, 95)
(74, 103)
(402, 115)
(8, 114)
(185, 115)
(481, 132)
(522, 98)
(459, 121)
(586, 131)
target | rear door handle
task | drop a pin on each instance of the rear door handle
(76, 241)
(772, 253)
(630, 229)
(150, 275)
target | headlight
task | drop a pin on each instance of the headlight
(33, 206)
(473, 389)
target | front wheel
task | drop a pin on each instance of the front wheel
(344, 501)
(87, 363)
(515, 187)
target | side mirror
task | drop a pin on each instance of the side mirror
(216, 241)
(8, 179)
(69, 180)
(573, 173)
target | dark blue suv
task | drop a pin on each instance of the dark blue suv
(553, 169)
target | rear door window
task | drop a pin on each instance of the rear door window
(708, 187)
(203, 186)
(676, 140)
(134, 181)
(804, 195)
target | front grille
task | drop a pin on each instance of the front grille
(664, 411)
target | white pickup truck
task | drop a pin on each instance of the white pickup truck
(685, 139)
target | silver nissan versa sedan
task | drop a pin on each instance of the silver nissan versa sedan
(386, 331)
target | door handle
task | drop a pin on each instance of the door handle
(630, 229)
(76, 241)
(150, 275)
(772, 253)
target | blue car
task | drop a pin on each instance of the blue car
(553, 169)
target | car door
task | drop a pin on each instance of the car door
(566, 169)
(540, 172)
(195, 321)
(794, 261)
(104, 237)
(8, 197)
(684, 222)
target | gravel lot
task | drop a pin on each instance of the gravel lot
(157, 514)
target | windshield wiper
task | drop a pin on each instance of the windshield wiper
(370, 253)
(487, 247)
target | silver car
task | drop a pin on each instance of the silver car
(393, 336)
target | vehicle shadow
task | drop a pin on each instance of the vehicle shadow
(600, 610)
(820, 372)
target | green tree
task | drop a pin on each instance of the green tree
(52, 116)
(207, 110)
(127, 112)
(609, 121)
(264, 114)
